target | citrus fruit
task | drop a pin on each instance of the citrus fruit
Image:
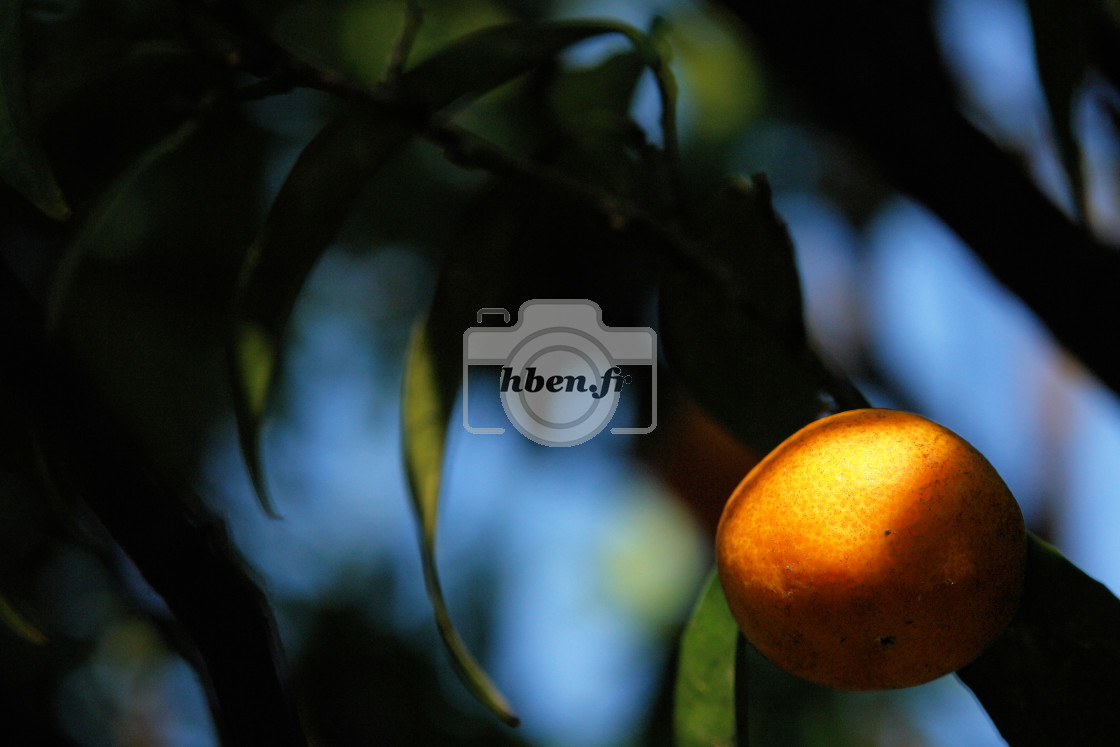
(872, 549)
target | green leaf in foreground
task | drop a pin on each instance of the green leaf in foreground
(23, 164)
(1051, 677)
(474, 275)
(429, 393)
(303, 220)
(704, 699)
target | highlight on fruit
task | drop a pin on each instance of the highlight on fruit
(872, 549)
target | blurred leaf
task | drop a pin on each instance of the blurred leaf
(95, 226)
(94, 66)
(705, 698)
(1060, 44)
(488, 58)
(427, 398)
(23, 164)
(487, 267)
(303, 220)
(739, 343)
(1051, 677)
(330, 173)
(723, 83)
(473, 276)
(598, 98)
(599, 140)
(19, 624)
(426, 405)
(495, 55)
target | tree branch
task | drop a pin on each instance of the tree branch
(872, 71)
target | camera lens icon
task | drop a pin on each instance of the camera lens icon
(562, 370)
(583, 396)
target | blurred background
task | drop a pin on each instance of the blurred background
(569, 571)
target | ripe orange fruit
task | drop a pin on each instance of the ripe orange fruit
(872, 549)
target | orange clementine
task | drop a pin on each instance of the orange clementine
(872, 549)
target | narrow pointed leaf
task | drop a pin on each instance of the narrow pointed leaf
(487, 266)
(705, 698)
(19, 624)
(1051, 677)
(23, 164)
(473, 276)
(591, 108)
(426, 410)
(329, 174)
(303, 220)
(91, 233)
(486, 59)
(740, 348)
(429, 392)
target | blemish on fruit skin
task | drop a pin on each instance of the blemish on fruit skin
(885, 640)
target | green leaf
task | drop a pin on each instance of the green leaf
(426, 408)
(1050, 678)
(601, 93)
(739, 345)
(96, 225)
(329, 174)
(473, 276)
(486, 59)
(19, 624)
(493, 263)
(307, 213)
(310, 208)
(23, 164)
(705, 699)
(1060, 42)
(596, 141)
(428, 397)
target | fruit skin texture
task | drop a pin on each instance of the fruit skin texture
(872, 549)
